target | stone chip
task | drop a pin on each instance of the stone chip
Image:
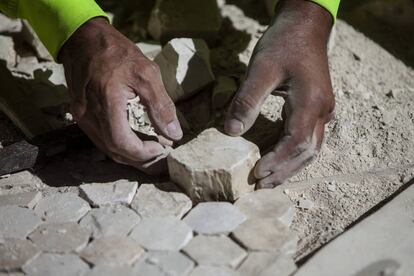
(118, 192)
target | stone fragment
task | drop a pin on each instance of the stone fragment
(62, 207)
(223, 92)
(9, 25)
(14, 253)
(257, 263)
(204, 270)
(215, 251)
(282, 266)
(162, 233)
(7, 52)
(184, 18)
(110, 220)
(185, 67)
(266, 234)
(25, 199)
(153, 202)
(105, 270)
(17, 157)
(169, 263)
(214, 166)
(149, 50)
(60, 237)
(267, 203)
(305, 204)
(138, 117)
(17, 222)
(118, 192)
(112, 251)
(30, 36)
(213, 218)
(56, 264)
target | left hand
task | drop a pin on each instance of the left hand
(292, 53)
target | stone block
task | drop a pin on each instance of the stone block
(14, 253)
(185, 67)
(55, 264)
(17, 157)
(7, 53)
(17, 222)
(184, 18)
(25, 199)
(149, 50)
(214, 166)
(9, 25)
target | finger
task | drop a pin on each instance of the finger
(161, 109)
(261, 79)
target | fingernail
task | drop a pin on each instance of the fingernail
(174, 130)
(234, 127)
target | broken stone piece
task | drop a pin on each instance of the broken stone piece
(214, 166)
(184, 18)
(25, 199)
(138, 117)
(14, 253)
(185, 67)
(7, 52)
(56, 264)
(223, 92)
(17, 222)
(9, 25)
(149, 50)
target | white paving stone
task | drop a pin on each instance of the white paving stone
(267, 203)
(204, 270)
(48, 264)
(25, 199)
(266, 234)
(104, 270)
(214, 166)
(215, 251)
(14, 253)
(170, 263)
(115, 220)
(213, 218)
(162, 233)
(17, 222)
(153, 202)
(62, 207)
(119, 192)
(283, 266)
(60, 237)
(112, 251)
(7, 52)
(256, 262)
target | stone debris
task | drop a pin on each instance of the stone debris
(267, 203)
(215, 251)
(204, 270)
(110, 220)
(7, 52)
(181, 18)
(9, 25)
(17, 222)
(266, 234)
(138, 117)
(169, 263)
(56, 264)
(105, 270)
(17, 157)
(282, 266)
(149, 50)
(153, 202)
(212, 218)
(185, 67)
(29, 35)
(162, 233)
(60, 237)
(14, 253)
(112, 251)
(25, 199)
(62, 207)
(223, 92)
(118, 192)
(214, 166)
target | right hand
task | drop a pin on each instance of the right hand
(103, 71)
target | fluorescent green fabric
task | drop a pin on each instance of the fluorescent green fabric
(331, 5)
(53, 20)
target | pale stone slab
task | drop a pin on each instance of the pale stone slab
(185, 67)
(17, 222)
(60, 237)
(112, 251)
(283, 266)
(110, 220)
(62, 207)
(212, 218)
(153, 202)
(105, 270)
(162, 233)
(214, 166)
(266, 234)
(171, 263)
(149, 50)
(267, 203)
(204, 270)
(382, 243)
(56, 264)
(256, 262)
(26, 199)
(14, 253)
(119, 192)
(215, 251)
(7, 52)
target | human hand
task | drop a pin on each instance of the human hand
(291, 56)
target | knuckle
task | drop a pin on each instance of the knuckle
(149, 69)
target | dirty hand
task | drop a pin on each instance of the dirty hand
(103, 71)
(291, 56)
